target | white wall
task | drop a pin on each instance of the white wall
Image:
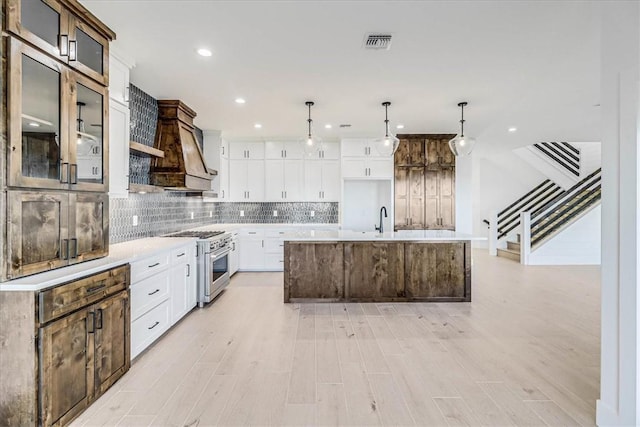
(579, 243)
(590, 156)
(497, 182)
(361, 203)
(464, 194)
(619, 403)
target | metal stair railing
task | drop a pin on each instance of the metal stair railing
(509, 217)
(563, 154)
(590, 180)
(560, 212)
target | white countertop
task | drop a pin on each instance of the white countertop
(119, 254)
(404, 235)
(123, 253)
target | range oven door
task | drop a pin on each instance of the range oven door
(218, 276)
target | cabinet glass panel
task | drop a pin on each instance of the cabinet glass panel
(89, 135)
(40, 19)
(40, 120)
(89, 51)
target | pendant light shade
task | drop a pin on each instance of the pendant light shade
(311, 143)
(462, 145)
(388, 144)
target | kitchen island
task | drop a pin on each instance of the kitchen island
(412, 265)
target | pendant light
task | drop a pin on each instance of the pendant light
(388, 144)
(462, 145)
(311, 143)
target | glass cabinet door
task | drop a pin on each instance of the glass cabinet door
(38, 225)
(88, 146)
(88, 51)
(88, 226)
(38, 153)
(43, 23)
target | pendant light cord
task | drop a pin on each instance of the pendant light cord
(462, 104)
(309, 104)
(386, 118)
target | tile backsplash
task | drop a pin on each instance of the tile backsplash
(162, 213)
(144, 118)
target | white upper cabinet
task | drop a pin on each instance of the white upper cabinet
(322, 181)
(119, 129)
(353, 147)
(328, 151)
(246, 150)
(284, 181)
(118, 79)
(246, 180)
(283, 150)
(377, 167)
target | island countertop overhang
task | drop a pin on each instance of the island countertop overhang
(391, 236)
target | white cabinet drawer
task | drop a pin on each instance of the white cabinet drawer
(149, 327)
(274, 246)
(251, 232)
(149, 266)
(275, 233)
(148, 293)
(180, 255)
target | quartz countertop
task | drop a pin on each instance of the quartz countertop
(119, 254)
(404, 235)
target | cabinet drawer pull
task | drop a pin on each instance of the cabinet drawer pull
(154, 265)
(64, 173)
(154, 325)
(253, 232)
(63, 45)
(73, 51)
(73, 171)
(75, 247)
(96, 288)
(182, 254)
(99, 319)
(154, 292)
(91, 322)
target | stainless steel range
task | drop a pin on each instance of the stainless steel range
(213, 262)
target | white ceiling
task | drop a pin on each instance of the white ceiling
(530, 64)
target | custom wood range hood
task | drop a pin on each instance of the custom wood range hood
(183, 167)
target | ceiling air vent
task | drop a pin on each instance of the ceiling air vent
(377, 41)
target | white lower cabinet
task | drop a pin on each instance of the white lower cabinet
(262, 250)
(182, 276)
(251, 243)
(163, 290)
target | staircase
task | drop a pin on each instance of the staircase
(551, 211)
(512, 251)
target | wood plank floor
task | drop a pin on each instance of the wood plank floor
(524, 352)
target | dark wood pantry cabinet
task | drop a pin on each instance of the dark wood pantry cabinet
(424, 183)
(55, 107)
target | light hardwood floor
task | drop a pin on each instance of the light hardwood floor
(524, 352)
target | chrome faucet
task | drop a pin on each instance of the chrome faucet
(380, 229)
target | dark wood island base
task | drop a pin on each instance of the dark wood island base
(377, 271)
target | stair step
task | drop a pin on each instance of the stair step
(514, 246)
(508, 253)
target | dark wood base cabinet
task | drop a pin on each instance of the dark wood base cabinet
(373, 271)
(60, 349)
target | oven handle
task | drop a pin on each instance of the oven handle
(216, 255)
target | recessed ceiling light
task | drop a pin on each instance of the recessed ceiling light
(257, 126)
(240, 101)
(513, 129)
(399, 126)
(204, 52)
(34, 124)
(328, 126)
